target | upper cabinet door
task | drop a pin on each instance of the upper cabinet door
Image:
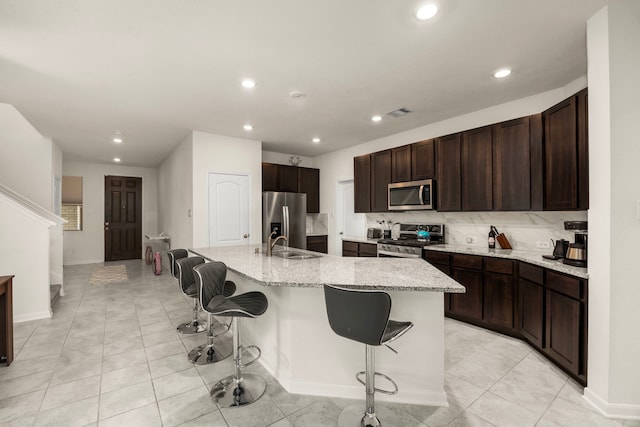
(583, 148)
(401, 164)
(309, 183)
(561, 159)
(380, 180)
(362, 183)
(477, 170)
(423, 160)
(288, 178)
(269, 177)
(512, 165)
(449, 182)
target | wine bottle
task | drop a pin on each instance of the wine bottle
(492, 238)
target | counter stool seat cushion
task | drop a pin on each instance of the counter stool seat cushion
(250, 304)
(394, 330)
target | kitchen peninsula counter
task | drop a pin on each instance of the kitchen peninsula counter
(385, 274)
(300, 350)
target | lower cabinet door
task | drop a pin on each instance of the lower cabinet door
(563, 334)
(531, 311)
(498, 300)
(468, 304)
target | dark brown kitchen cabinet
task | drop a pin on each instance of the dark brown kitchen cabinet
(362, 183)
(499, 293)
(423, 160)
(317, 244)
(380, 180)
(449, 182)
(309, 183)
(467, 269)
(477, 170)
(270, 177)
(288, 178)
(517, 163)
(401, 164)
(359, 249)
(293, 179)
(566, 323)
(565, 155)
(531, 304)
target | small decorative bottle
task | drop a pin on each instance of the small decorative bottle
(492, 239)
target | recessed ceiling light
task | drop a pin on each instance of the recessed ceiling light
(296, 94)
(247, 127)
(117, 137)
(117, 159)
(426, 11)
(504, 72)
(315, 140)
(376, 118)
(248, 83)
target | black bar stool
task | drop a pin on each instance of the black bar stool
(209, 353)
(240, 388)
(363, 316)
(188, 288)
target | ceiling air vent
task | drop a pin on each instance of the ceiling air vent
(399, 112)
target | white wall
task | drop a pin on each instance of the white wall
(26, 160)
(87, 246)
(175, 195)
(614, 347)
(283, 159)
(216, 153)
(56, 244)
(25, 254)
(338, 165)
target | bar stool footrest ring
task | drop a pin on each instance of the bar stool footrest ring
(378, 374)
(251, 362)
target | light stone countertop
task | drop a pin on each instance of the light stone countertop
(526, 256)
(388, 274)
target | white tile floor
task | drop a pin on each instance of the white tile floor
(110, 356)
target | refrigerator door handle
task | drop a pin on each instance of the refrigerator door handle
(285, 221)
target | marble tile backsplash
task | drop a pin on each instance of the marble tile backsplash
(523, 229)
(317, 223)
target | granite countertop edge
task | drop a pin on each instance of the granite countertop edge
(519, 255)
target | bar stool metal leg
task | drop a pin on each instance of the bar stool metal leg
(194, 326)
(238, 389)
(209, 353)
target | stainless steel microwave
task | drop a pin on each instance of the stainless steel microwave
(412, 195)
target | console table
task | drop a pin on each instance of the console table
(6, 319)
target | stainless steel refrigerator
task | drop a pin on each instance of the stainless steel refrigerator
(286, 214)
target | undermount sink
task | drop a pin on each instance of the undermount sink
(288, 254)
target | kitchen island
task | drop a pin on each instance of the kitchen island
(299, 348)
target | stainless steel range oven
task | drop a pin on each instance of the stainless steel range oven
(411, 240)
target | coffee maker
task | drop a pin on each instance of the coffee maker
(577, 251)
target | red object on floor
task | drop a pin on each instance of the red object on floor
(157, 263)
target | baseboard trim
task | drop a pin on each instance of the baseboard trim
(32, 316)
(95, 261)
(612, 410)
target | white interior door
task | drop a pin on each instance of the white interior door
(348, 223)
(228, 209)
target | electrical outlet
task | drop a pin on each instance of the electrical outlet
(472, 239)
(542, 244)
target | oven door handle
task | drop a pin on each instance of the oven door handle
(396, 254)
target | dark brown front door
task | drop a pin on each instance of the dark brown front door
(122, 218)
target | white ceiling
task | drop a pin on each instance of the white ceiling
(156, 69)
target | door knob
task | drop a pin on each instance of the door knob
(245, 235)
(341, 233)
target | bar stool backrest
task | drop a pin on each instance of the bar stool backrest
(174, 255)
(361, 316)
(210, 278)
(185, 266)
